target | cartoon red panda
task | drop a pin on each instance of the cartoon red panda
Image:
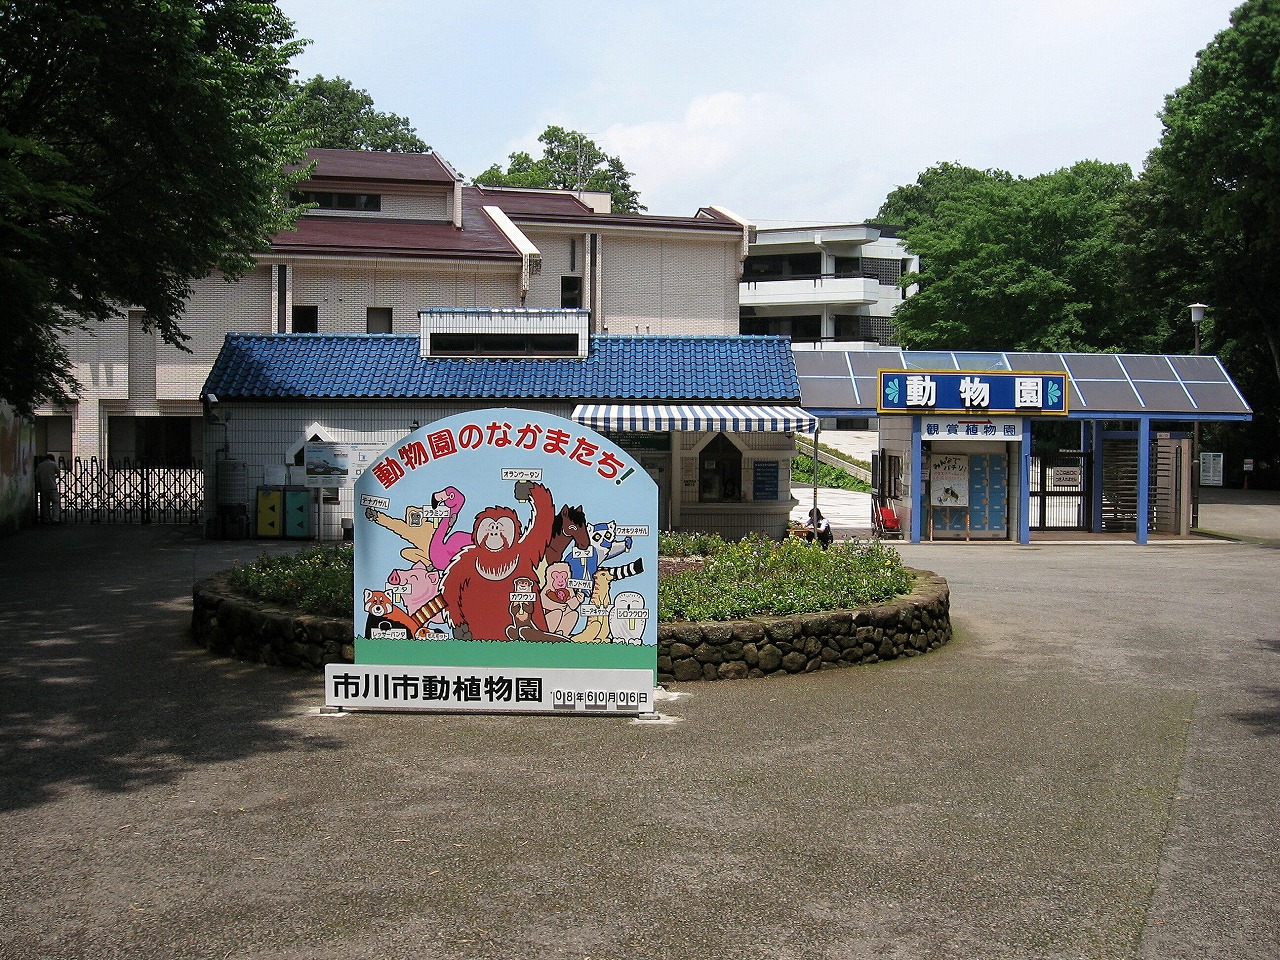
(385, 617)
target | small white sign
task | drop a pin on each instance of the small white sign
(1210, 469)
(1066, 478)
(502, 689)
(1004, 429)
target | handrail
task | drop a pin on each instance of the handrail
(816, 277)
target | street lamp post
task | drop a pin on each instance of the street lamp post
(1197, 318)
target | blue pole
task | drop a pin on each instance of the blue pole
(1024, 492)
(1144, 470)
(917, 482)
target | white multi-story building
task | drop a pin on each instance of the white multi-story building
(824, 284)
(392, 234)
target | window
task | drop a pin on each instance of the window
(720, 471)
(377, 320)
(571, 293)
(340, 201)
(306, 320)
(504, 345)
(781, 266)
(883, 271)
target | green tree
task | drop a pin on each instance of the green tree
(917, 203)
(141, 147)
(569, 161)
(1208, 215)
(333, 114)
(1009, 263)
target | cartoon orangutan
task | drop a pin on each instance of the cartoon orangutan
(477, 587)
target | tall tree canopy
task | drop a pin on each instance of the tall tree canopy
(333, 114)
(569, 161)
(1206, 215)
(1016, 264)
(1216, 176)
(141, 146)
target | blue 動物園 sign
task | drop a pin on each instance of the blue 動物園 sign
(984, 391)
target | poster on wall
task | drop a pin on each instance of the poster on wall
(329, 464)
(505, 560)
(949, 480)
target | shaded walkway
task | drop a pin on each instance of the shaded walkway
(1088, 770)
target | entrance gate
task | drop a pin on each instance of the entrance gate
(107, 491)
(1060, 491)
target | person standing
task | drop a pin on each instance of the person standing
(47, 485)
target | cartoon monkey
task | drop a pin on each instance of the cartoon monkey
(477, 586)
(523, 599)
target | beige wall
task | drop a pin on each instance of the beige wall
(664, 285)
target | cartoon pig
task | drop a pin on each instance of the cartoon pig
(414, 586)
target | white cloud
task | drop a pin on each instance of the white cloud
(716, 135)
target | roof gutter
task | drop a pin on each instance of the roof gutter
(748, 232)
(530, 257)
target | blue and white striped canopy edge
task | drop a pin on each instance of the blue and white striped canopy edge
(731, 418)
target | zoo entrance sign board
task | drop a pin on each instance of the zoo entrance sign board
(505, 560)
(985, 391)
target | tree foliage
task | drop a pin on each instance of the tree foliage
(1009, 263)
(1206, 215)
(141, 147)
(569, 161)
(332, 114)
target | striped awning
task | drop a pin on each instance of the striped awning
(731, 418)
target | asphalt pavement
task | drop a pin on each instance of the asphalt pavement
(1089, 770)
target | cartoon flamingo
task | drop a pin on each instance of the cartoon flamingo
(445, 546)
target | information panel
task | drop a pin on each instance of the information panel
(504, 560)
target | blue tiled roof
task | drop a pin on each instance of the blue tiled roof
(369, 366)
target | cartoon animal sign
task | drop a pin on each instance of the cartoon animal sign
(533, 520)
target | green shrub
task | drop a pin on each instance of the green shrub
(760, 577)
(755, 576)
(317, 580)
(673, 544)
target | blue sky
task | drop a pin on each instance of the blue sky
(777, 111)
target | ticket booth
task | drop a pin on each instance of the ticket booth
(956, 458)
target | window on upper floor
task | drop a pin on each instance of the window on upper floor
(882, 269)
(571, 293)
(326, 200)
(504, 345)
(306, 320)
(377, 320)
(782, 266)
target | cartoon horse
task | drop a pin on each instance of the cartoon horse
(570, 527)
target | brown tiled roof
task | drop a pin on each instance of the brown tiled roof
(365, 166)
(533, 202)
(522, 206)
(480, 238)
(368, 237)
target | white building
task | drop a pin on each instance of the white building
(392, 234)
(825, 284)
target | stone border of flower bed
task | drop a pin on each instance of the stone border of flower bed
(231, 625)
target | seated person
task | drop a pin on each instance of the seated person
(817, 526)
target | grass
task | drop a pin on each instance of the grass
(828, 476)
(754, 577)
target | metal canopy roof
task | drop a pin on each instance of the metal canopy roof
(1103, 385)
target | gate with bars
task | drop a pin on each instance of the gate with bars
(117, 491)
(1060, 491)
